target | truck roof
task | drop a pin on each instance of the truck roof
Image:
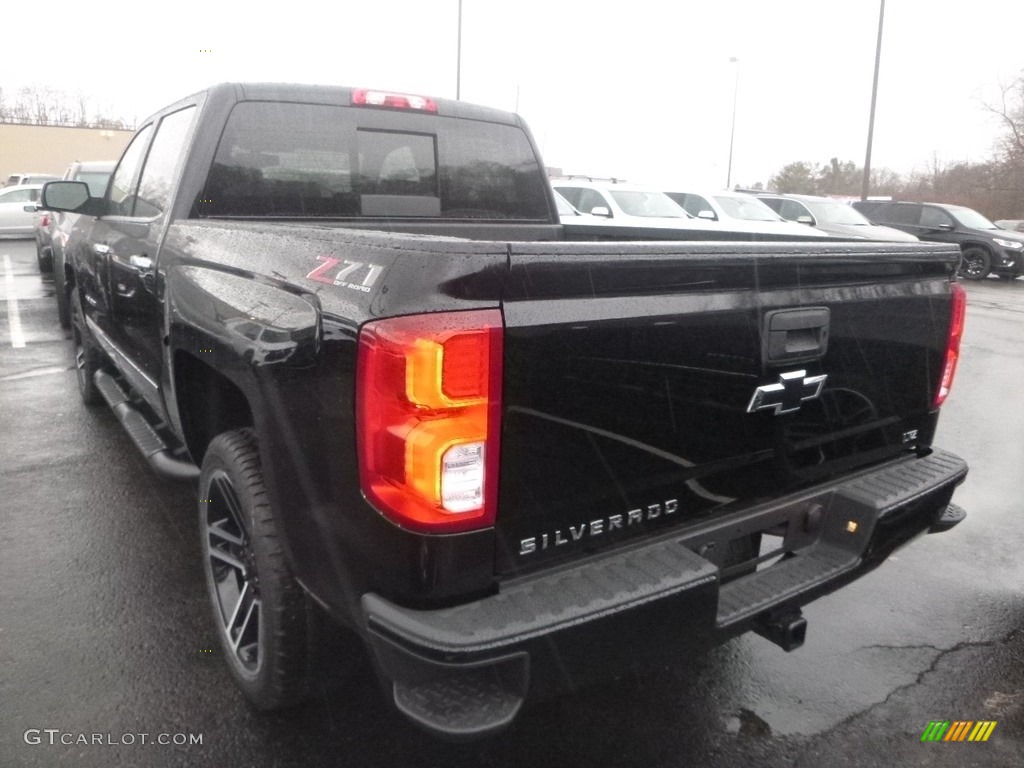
(340, 96)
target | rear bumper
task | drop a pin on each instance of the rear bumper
(465, 671)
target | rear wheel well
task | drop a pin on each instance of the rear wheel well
(208, 404)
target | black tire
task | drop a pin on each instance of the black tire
(60, 287)
(975, 263)
(268, 627)
(44, 257)
(88, 359)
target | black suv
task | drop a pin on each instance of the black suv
(985, 248)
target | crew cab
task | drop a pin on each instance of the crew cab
(410, 402)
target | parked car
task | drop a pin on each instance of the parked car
(738, 211)
(1014, 225)
(985, 248)
(14, 219)
(831, 216)
(52, 230)
(623, 203)
(16, 179)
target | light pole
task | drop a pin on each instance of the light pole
(732, 130)
(866, 183)
(458, 58)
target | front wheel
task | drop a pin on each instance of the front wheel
(265, 622)
(61, 289)
(87, 356)
(44, 258)
(975, 263)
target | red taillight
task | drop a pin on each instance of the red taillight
(428, 418)
(956, 331)
(367, 98)
(44, 220)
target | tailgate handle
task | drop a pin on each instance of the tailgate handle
(795, 335)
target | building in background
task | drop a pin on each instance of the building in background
(52, 148)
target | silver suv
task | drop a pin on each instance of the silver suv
(29, 178)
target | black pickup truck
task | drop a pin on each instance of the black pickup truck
(494, 448)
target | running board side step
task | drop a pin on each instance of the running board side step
(146, 439)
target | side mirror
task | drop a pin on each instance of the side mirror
(600, 210)
(70, 197)
(805, 219)
(709, 215)
(31, 208)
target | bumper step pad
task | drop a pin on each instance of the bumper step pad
(753, 594)
(465, 703)
(854, 508)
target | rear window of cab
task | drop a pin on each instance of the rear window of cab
(309, 160)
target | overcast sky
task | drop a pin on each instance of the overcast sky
(639, 89)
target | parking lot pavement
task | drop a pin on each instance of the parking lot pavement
(104, 627)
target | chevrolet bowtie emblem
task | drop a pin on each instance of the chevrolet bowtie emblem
(786, 396)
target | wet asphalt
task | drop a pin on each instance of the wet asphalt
(105, 633)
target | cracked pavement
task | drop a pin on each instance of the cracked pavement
(105, 627)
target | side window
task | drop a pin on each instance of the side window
(591, 199)
(158, 174)
(898, 213)
(122, 186)
(18, 196)
(572, 194)
(695, 204)
(934, 217)
(793, 210)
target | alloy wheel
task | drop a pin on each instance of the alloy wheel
(231, 565)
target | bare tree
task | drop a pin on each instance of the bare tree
(81, 112)
(1009, 111)
(43, 105)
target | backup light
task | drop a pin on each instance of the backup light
(367, 98)
(428, 405)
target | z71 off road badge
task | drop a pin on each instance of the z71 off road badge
(786, 396)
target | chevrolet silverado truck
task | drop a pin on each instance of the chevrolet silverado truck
(412, 402)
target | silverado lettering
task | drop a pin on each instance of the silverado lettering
(599, 526)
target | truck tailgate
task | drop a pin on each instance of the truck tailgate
(656, 385)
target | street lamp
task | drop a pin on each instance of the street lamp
(732, 131)
(866, 183)
(458, 58)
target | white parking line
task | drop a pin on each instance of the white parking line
(17, 335)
